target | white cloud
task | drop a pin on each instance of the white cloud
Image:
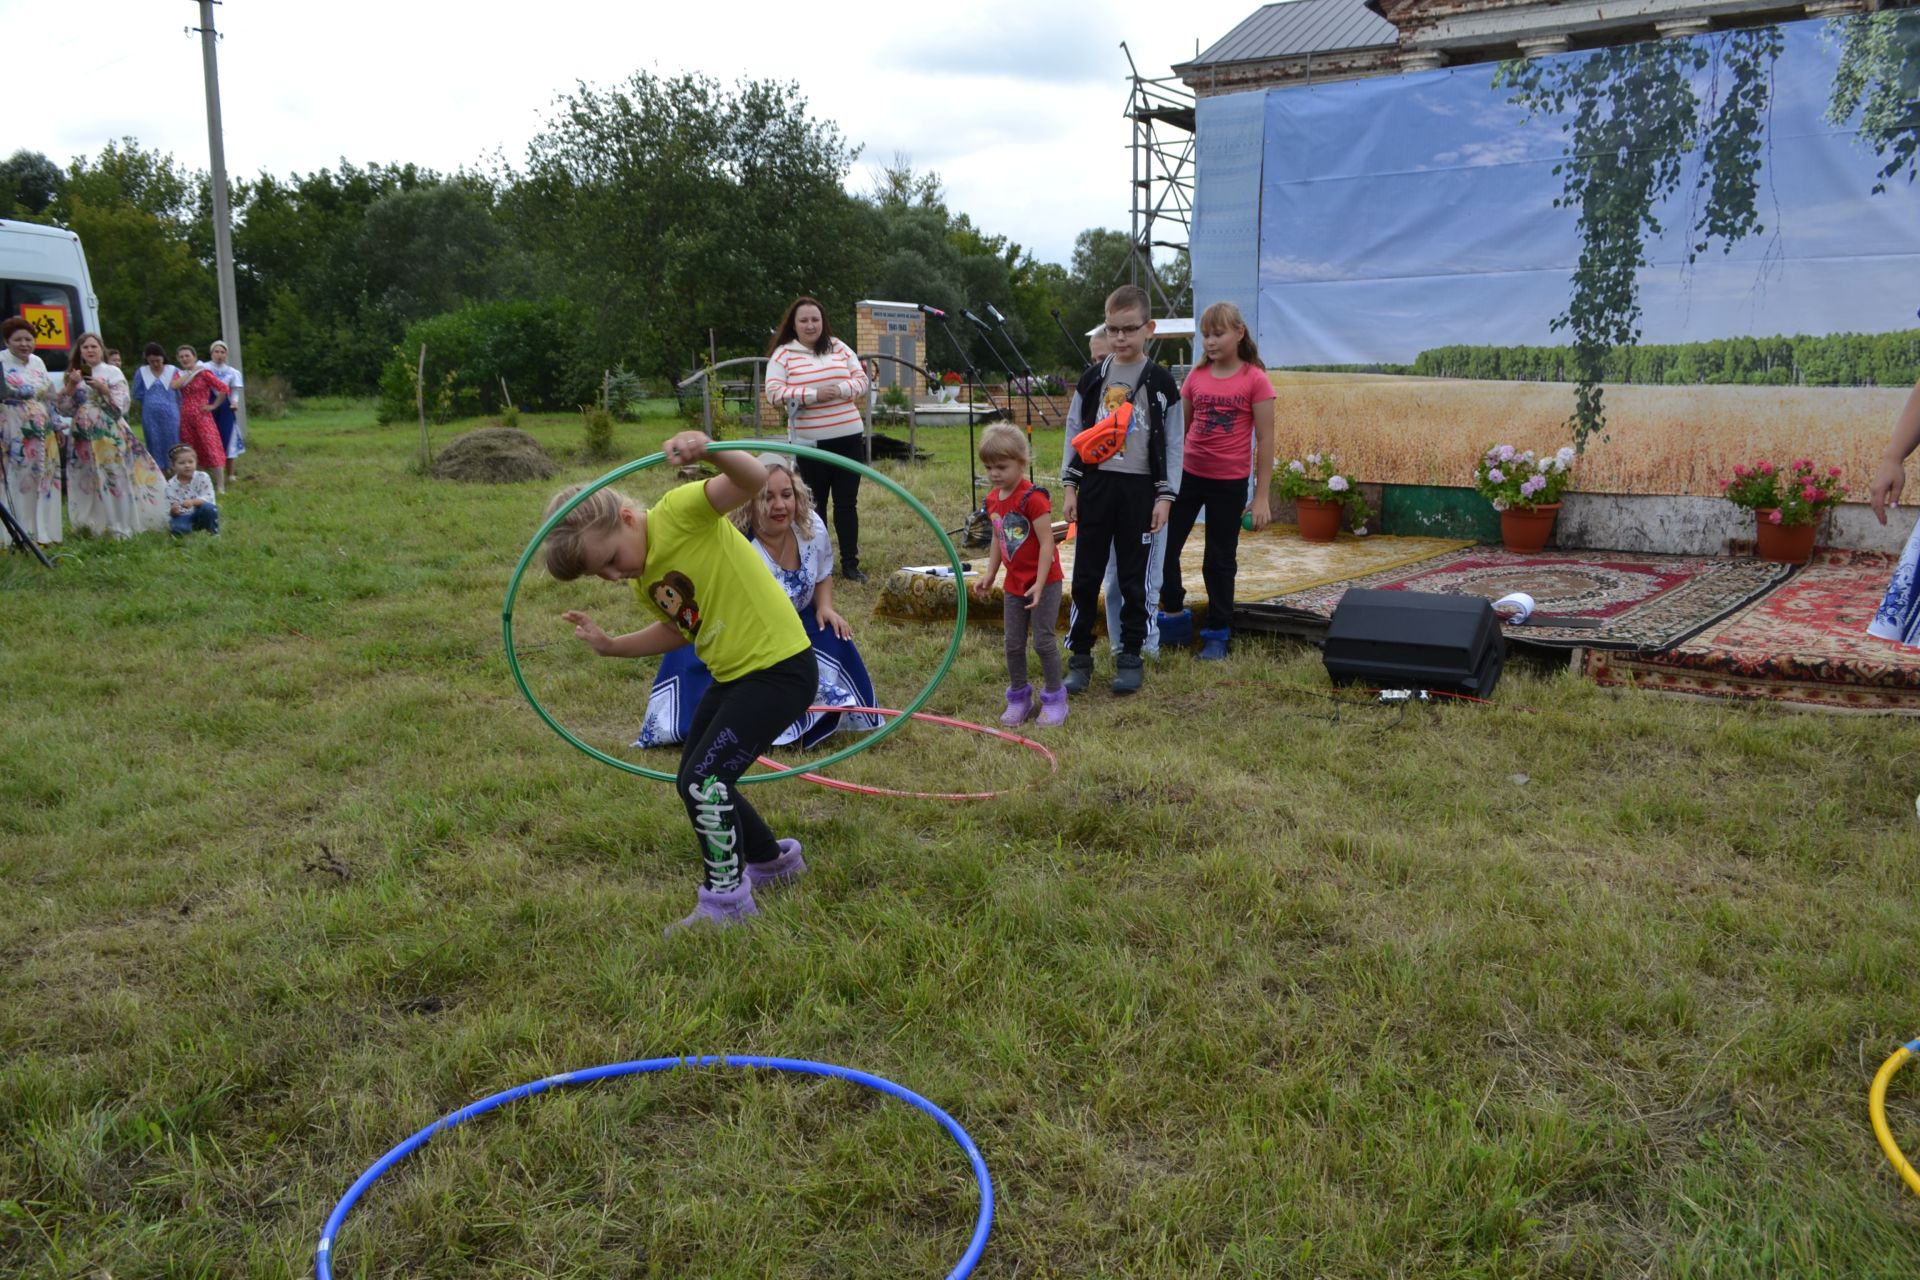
(1018, 105)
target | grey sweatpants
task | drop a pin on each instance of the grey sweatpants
(1043, 621)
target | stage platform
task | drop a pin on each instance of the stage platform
(1693, 626)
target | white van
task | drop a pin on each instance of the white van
(43, 276)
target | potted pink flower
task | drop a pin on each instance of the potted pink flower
(1788, 504)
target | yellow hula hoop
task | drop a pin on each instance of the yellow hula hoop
(1877, 1112)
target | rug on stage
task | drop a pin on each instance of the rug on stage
(1806, 644)
(1273, 562)
(1642, 602)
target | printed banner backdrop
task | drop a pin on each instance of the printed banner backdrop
(1414, 232)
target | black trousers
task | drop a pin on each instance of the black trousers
(1224, 501)
(1115, 513)
(839, 488)
(735, 722)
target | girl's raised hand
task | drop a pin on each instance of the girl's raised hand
(584, 628)
(688, 446)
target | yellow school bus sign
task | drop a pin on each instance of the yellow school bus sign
(49, 323)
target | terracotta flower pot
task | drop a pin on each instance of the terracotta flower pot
(1319, 521)
(1784, 543)
(1525, 530)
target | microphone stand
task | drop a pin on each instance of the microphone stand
(973, 376)
(1026, 369)
(1071, 340)
(986, 336)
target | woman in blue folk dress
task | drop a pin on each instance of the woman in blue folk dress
(1899, 615)
(793, 541)
(159, 404)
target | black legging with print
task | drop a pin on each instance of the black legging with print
(840, 488)
(736, 721)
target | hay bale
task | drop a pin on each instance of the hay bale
(493, 455)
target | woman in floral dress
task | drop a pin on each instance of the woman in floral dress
(792, 539)
(113, 486)
(29, 436)
(200, 389)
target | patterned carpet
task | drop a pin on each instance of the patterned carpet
(1643, 602)
(1805, 644)
(1274, 562)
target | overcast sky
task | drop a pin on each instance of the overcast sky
(1018, 105)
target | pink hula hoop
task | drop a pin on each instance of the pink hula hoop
(1053, 765)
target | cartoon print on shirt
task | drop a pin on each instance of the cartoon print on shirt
(1219, 417)
(1015, 529)
(673, 593)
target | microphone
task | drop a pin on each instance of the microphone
(976, 319)
(995, 314)
(935, 312)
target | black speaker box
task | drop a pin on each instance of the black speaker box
(1416, 640)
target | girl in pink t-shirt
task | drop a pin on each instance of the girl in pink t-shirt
(1228, 403)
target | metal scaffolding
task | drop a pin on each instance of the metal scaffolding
(1162, 113)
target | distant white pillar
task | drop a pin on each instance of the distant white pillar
(1422, 59)
(1681, 28)
(1544, 46)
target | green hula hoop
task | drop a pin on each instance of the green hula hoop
(746, 446)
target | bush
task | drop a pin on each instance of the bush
(272, 398)
(510, 416)
(624, 393)
(535, 346)
(599, 432)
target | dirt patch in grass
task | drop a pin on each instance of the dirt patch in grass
(494, 455)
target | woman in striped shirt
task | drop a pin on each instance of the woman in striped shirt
(819, 381)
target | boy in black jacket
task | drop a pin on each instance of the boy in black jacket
(1121, 502)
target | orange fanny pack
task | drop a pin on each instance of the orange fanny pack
(1104, 438)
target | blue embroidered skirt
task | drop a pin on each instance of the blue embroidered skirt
(1899, 616)
(683, 679)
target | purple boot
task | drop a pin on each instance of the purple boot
(1053, 706)
(719, 909)
(780, 871)
(1019, 707)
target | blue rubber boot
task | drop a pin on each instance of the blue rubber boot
(1079, 672)
(1214, 644)
(1176, 629)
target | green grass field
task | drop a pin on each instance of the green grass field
(1257, 985)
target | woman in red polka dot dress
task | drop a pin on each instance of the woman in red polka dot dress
(200, 389)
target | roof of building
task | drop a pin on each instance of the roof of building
(1299, 28)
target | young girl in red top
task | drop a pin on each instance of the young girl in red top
(1229, 414)
(1022, 519)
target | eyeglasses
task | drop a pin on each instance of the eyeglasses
(1122, 330)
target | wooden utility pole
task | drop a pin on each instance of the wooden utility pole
(420, 403)
(222, 212)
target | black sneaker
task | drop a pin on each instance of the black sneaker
(1079, 673)
(1128, 673)
(851, 573)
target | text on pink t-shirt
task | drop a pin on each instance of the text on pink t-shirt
(1220, 429)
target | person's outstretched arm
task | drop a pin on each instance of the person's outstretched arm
(1892, 475)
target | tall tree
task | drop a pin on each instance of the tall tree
(672, 207)
(135, 212)
(30, 184)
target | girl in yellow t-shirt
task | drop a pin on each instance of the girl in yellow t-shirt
(706, 586)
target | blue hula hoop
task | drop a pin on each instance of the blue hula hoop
(323, 1255)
